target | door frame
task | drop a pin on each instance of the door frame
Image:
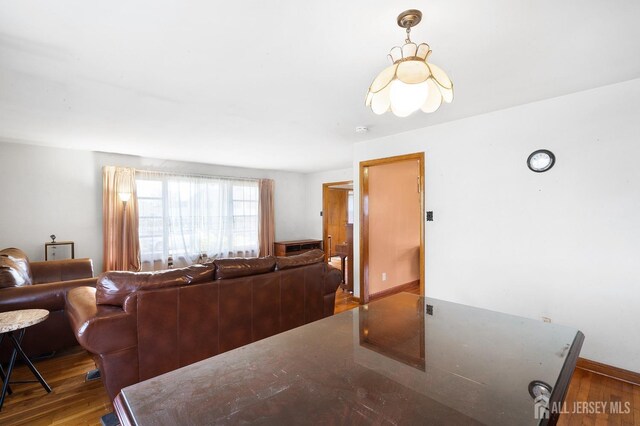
(364, 217)
(325, 221)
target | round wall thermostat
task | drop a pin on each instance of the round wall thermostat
(541, 160)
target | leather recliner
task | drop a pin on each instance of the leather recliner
(41, 285)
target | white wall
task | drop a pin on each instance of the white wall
(313, 197)
(58, 191)
(564, 244)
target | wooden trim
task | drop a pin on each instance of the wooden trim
(325, 189)
(422, 220)
(395, 159)
(609, 371)
(364, 236)
(364, 218)
(394, 290)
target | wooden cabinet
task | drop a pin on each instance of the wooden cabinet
(290, 248)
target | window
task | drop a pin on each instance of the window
(189, 217)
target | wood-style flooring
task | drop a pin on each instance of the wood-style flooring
(344, 302)
(77, 402)
(588, 388)
(73, 401)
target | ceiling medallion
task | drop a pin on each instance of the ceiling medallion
(411, 83)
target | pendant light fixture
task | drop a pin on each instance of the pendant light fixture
(411, 83)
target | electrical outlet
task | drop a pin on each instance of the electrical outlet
(384, 276)
(546, 319)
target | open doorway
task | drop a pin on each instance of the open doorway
(337, 228)
(391, 226)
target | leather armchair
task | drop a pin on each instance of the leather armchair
(41, 285)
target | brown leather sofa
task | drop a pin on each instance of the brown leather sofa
(141, 325)
(41, 285)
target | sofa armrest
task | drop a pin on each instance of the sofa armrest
(334, 278)
(61, 270)
(99, 329)
(49, 296)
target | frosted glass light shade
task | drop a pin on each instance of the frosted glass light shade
(407, 98)
(410, 84)
(124, 196)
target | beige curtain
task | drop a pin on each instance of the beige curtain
(266, 218)
(120, 220)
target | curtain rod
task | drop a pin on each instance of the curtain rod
(197, 175)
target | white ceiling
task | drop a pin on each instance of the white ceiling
(281, 84)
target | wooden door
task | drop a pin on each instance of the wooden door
(416, 215)
(335, 216)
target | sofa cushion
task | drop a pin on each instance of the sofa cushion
(113, 287)
(14, 268)
(306, 258)
(240, 267)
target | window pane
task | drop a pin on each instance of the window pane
(238, 192)
(253, 208)
(149, 207)
(150, 227)
(149, 188)
(238, 208)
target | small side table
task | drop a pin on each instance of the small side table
(14, 323)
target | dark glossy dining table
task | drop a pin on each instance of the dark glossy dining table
(401, 360)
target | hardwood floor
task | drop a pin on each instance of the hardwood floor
(74, 401)
(344, 302)
(587, 388)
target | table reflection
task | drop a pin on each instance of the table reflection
(394, 327)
